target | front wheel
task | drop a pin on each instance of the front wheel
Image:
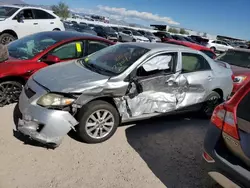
(98, 121)
(213, 100)
(6, 38)
(9, 92)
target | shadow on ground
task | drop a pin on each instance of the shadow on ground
(172, 147)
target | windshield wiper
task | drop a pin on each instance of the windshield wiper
(98, 69)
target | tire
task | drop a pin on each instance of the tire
(9, 92)
(120, 39)
(213, 48)
(6, 38)
(212, 100)
(56, 29)
(84, 116)
(133, 40)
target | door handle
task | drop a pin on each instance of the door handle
(51, 22)
(209, 78)
(35, 23)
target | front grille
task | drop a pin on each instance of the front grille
(29, 92)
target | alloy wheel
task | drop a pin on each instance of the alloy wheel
(9, 92)
(99, 124)
(6, 40)
(210, 104)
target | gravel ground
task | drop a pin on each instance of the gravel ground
(163, 152)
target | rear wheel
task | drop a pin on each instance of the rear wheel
(98, 121)
(133, 40)
(6, 38)
(120, 39)
(9, 92)
(213, 100)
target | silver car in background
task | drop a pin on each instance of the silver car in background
(121, 83)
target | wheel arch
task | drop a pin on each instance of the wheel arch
(13, 78)
(10, 31)
(108, 99)
(220, 92)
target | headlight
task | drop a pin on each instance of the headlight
(239, 79)
(52, 99)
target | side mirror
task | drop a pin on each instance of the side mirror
(20, 18)
(50, 59)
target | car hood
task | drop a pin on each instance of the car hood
(68, 77)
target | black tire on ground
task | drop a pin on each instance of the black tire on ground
(56, 29)
(120, 39)
(6, 38)
(9, 92)
(212, 100)
(84, 115)
(133, 40)
(213, 48)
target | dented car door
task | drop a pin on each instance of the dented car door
(156, 87)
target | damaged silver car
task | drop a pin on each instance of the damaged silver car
(121, 83)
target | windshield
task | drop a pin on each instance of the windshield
(179, 38)
(237, 58)
(108, 29)
(28, 47)
(136, 33)
(6, 12)
(114, 60)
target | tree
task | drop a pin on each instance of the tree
(61, 10)
(182, 31)
(173, 30)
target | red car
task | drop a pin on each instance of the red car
(226, 146)
(31, 53)
(239, 59)
(194, 46)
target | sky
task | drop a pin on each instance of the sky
(217, 17)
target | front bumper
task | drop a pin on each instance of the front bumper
(43, 125)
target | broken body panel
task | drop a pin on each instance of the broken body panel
(134, 96)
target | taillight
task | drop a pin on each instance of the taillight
(224, 118)
(218, 116)
(230, 123)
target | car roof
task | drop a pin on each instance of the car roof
(26, 6)
(160, 46)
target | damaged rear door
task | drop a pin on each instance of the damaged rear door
(155, 87)
(199, 75)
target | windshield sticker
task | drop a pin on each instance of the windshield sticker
(78, 47)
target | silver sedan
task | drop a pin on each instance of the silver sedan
(121, 83)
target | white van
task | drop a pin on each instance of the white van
(19, 21)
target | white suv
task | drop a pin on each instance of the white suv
(19, 21)
(218, 45)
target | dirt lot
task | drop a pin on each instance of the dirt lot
(155, 153)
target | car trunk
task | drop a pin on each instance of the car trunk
(233, 118)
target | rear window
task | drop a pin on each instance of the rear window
(237, 58)
(208, 53)
(244, 108)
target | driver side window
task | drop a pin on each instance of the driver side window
(71, 50)
(160, 64)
